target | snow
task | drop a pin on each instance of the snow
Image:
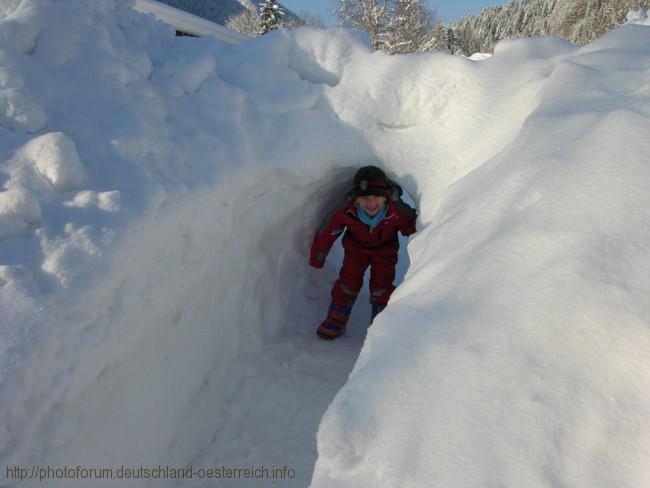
(639, 17)
(18, 209)
(108, 201)
(158, 198)
(480, 56)
(55, 157)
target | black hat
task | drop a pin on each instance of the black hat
(370, 180)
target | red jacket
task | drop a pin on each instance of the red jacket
(399, 217)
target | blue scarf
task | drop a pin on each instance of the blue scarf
(371, 221)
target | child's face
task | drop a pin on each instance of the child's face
(371, 204)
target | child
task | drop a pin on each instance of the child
(372, 216)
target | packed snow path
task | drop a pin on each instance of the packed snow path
(272, 417)
(158, 200)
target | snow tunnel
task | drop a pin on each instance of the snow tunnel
(201, 348)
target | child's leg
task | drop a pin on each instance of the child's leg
(344, 293)
(350, 281)
(382, 275)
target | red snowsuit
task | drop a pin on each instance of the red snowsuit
(363, 248)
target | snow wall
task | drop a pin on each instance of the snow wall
(159, 197)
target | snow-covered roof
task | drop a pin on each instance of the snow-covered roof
(188, 23)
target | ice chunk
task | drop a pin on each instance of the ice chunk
(55, 157)
(18, 209)
(109, 201)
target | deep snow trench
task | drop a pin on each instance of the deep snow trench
(234, 375)
(158, 200)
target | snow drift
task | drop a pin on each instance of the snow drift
(159, 196)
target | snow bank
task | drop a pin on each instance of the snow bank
(513, 353)
(157, 307)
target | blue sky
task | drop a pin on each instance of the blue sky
(448, 10)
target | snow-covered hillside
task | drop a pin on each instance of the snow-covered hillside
(158, 199)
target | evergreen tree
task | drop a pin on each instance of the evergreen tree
(579, 21)
(400, 26)
(439, 40)
(270, 16)
(453, 43)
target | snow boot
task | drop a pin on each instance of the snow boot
(376, 309)
(335, 322)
